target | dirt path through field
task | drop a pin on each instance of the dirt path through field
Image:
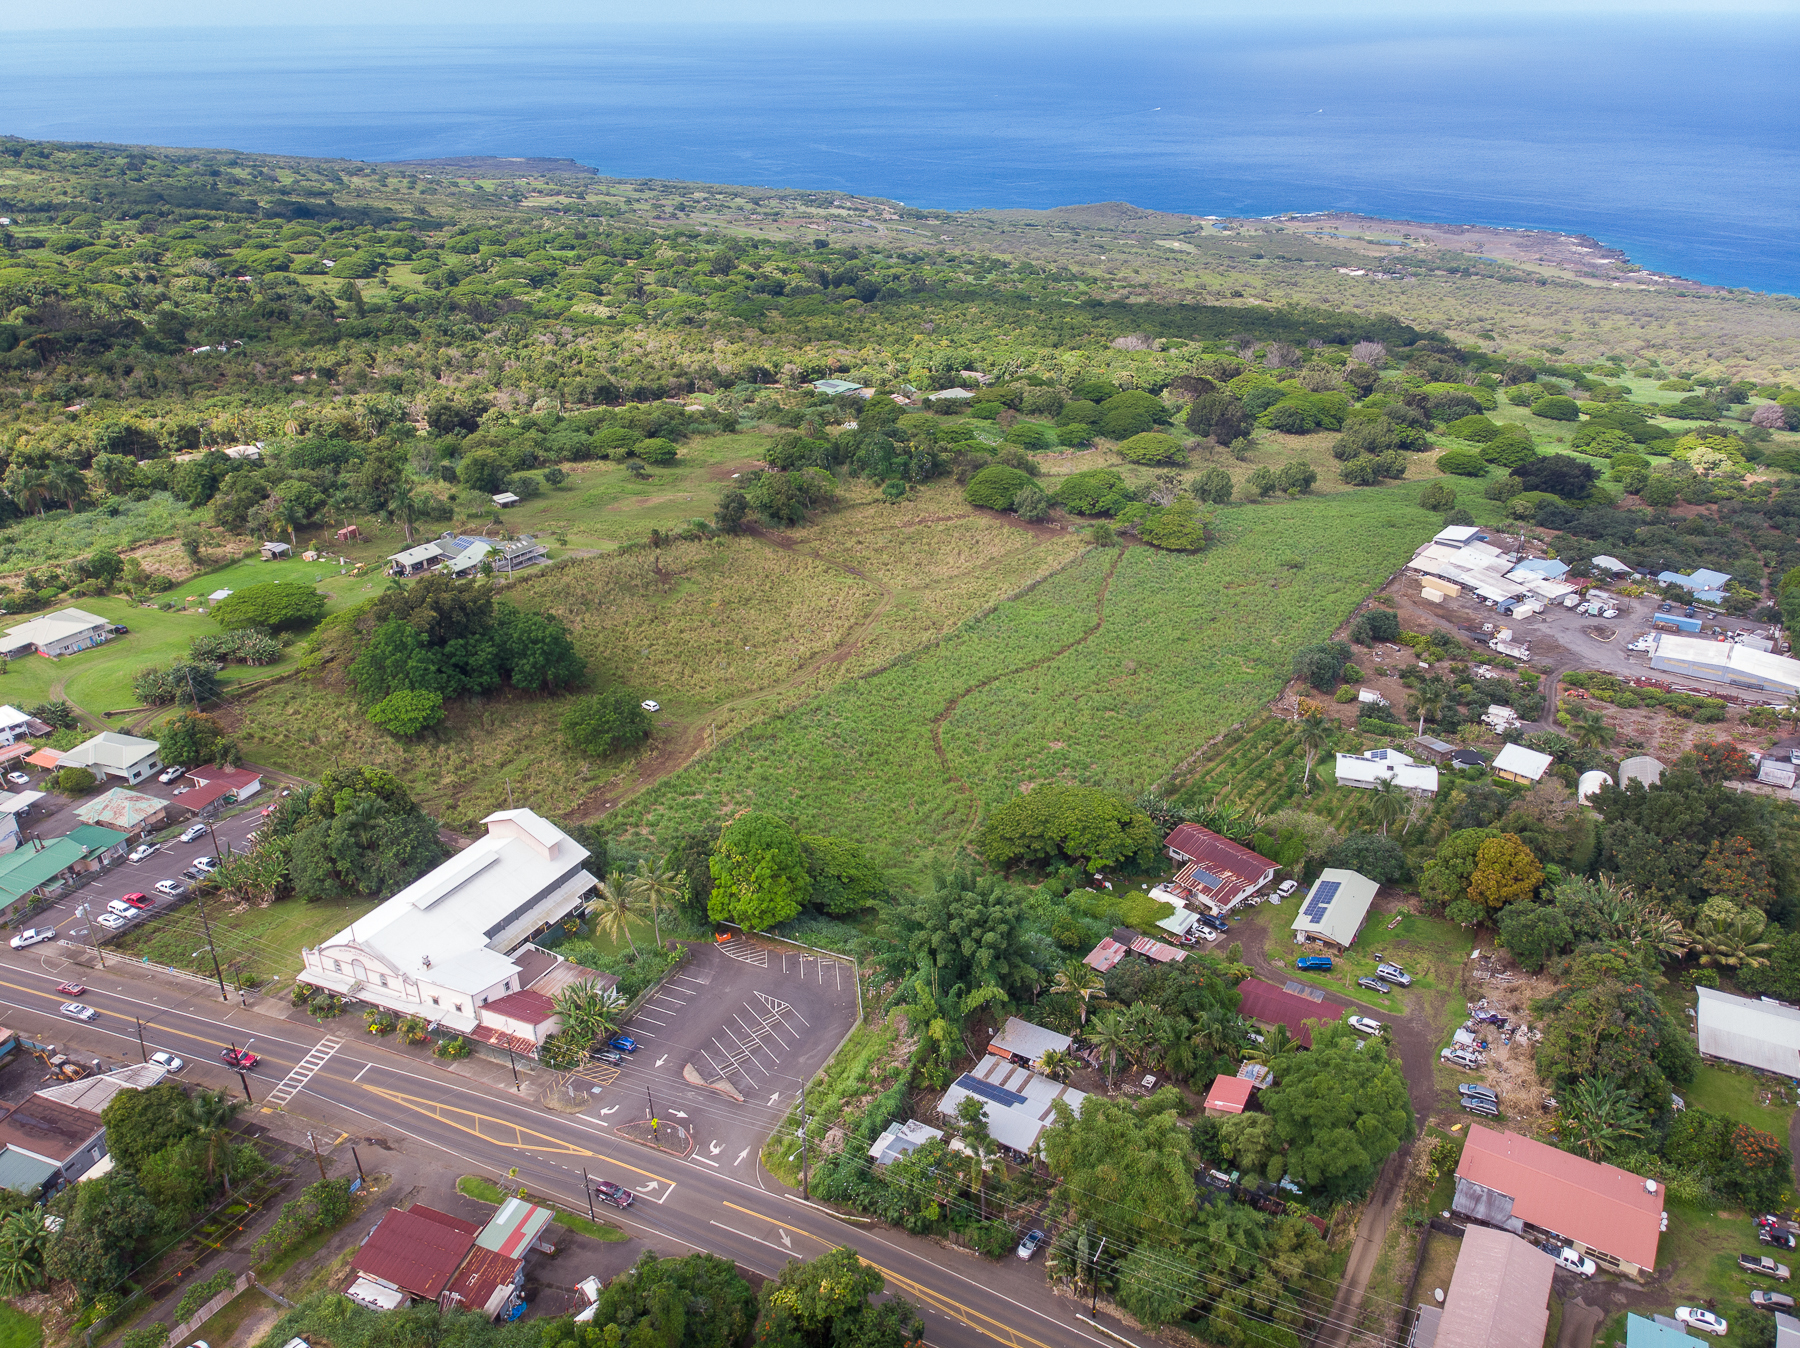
(937, 722)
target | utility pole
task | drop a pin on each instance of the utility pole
(217, 972)
(654, 1135)
(359, 1170)
(1095, 1279)
(587, 1187)
(320, 1159)
(93, 936)
(805, 1187)
(141, 1046)
(248, 1098)
(512, 1063)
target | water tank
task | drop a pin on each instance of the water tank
(1589, 784)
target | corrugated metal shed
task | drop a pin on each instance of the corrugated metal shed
(24, 1173)
(417, 1250)
(1482, 1204)
(1755, 1033)
(514, 1227)
(1642, 1333)
(1022, 1039)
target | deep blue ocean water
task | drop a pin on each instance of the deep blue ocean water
(1678, 142)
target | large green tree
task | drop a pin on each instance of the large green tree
(966, 930)
(1125, 1166)
(759, 872)
(826, 1303)
(1083, 824)
(1342, 1109)
(276, 605)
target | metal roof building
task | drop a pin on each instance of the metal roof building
(1755, 1033)
(416, 1250)
(1516, 763)
(1025, 1043)
(1386, 765)
(1726, 662)
(1285, 1006)
(1018, 1105)
(1218, 872)
(902, 1139)
(1335, 908)
(1499, 1296)
(1229, 1094)
(1642, 1333)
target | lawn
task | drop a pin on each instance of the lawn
(99, 680)
(1735, 1093)
(1430, 949)
(19, 1330)
(1699, 1258)
(264, 943)
(1113, 671)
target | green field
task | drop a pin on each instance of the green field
(1112, 672)
(259, 943)
(1735, 1093)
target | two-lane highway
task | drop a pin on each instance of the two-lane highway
(339, 1078)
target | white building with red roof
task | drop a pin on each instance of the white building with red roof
(1216, 874)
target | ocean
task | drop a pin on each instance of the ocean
(1674, 142)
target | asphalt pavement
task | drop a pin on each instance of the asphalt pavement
(723, 1202)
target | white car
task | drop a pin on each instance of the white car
(171, 774)
(1363, 1025)
(651, 706)
(18, 779)
(173, 888)
(1572, 1259)
(31, 936)
(167, 1061)
(1698, 1318)
(141, 852)
(79, 1011)
(1285, 888)
(113, 921)
(193, 831)
(207, 865)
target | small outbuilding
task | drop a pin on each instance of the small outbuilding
(1750, 1031)
(274, 552)
(1026, 1044)
(505, 499)
(902, 1139)
(1591, 782)
(1516, 763)
(1228, 1095)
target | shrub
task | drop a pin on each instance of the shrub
(1438, 496)
(655, 450)
(1131, 413)
(407, 712)
(1378, 624)
(995, 486)
(1362, 471)
(1152, 447)
(200, 1293)
(1476, 429)
(454, 1047)
(597, 725)
(73, 781)
(1321, 664)
(1509, 450)
(276, 606)
(1213, 485)
(1031, 505)
(1086, 493)
(1176, 527)
(1462, 462)
(1557, 408)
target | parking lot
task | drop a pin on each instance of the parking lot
(757, 1017)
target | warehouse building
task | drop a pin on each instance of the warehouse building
(1726, 662)
(1749, 1031)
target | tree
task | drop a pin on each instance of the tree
(1152, 447)
(1214, 485)
(276, 606)
(1598, 1117)
(1375, 624)
(358, 832)
(1322, 664)
(192, 738)
(1124, 1166)
(1088, 826)
(844, 879)
(1387, 803)
(1731, 937)
(759, 872)
(535, 649)
(483, 471)
(1314, 735)
(105, 1223)
(590, 1011)
(597, 725)
(1556, 408)
(1505, 872)
(24, 1240)
(210, 1114)
(1534, 934)
(734, 508)
(141, 1123)
(967, 931)
(612, 909)
(1031, 504)
(653, 888)
(1558, 474)
(1438, 496)
(978, 1144)
(1129, 414)
(1592, 730)
(73, 781)
(1076, 979)
(1176, 528)
(695, 1302)
(1342, 1109)
(1462, 462)
(408, 712)
(826, 1303)
(1372, 854)
(995, 486)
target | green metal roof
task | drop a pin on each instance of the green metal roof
(24, 870)
(95, 838)
(24, 1173)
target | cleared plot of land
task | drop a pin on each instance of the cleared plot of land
(1112, 671)
(722, 633)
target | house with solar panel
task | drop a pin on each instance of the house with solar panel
(1370, 769)
(1216, 874)
(1335, 909)
(1017, 1104)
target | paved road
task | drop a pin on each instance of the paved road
(726, 1205)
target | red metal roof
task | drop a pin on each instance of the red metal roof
(1156, 950)
(1602, 1206)
(1238, 870)
(1103, 956)
(417, 1250)
(518, 1044)
(1229, 1094)
(481, 1274)
(533, 1008)
(1277, 1006)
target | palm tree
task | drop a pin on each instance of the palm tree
(1387, 803)
(612, 909)
(1056, 1064)
(210, 1113)
(654, 888)
(1112, 1036)
(1431, 695)
(291, 515)
(66, 480)
(403, 504)
(30, 487)
(1314, 735)
(1277, 1043)
(1079, 980)
(1732, 940)
(1598, 1115)
(1217, 1031)
(1592, 731)
(589, 1009)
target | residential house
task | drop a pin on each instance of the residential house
(1228, 1095)
(36, 869)
(1292, 1006)
(1516, 763)
(502, 556)
(1026, 1044)
(129, 812)
(1125, 941)
(215, 788)
(1499, 1296)
(15, 725)
(61, 633)
(833, 387)
(1335, 908)
(71, 1139)
(1436, 748)
(416, 560)
(1017, 1104)
(104, 846)
(1368, 770)
(1751, 1031)
(450, 943)
(1216, 873)
(902, 1139)
(413, 1251)
(1525, 1186)
(111, 754)
(1707, 587)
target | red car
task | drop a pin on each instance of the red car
(608, 1192)
(70, 989)
(138, 900)
(242, 1059)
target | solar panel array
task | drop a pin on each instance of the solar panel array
(987, 1090)
(1207, 878)
(1320, 899)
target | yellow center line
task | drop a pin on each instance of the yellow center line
(981, 1324)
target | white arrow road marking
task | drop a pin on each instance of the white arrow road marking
(660, 1061)
(678, 1114)
(716, 1147)
(741, 1155)
(785, 1240)
(605, 1112)
(649, 1188)
(773, 1098)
